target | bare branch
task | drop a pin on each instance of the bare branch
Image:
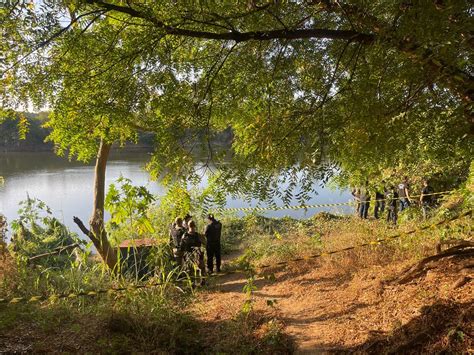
(84, 230)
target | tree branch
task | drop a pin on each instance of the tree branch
(84, 230)
(56, 251)
(240, 36)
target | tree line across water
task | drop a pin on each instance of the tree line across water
(34, 136)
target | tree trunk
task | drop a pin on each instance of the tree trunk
(98, 234)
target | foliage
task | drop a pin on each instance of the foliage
(128, 206)
(267, 241)
(159, 318)
(248, 289)
(133, 320)
(37, 231)
(23, 131)
(367, 89)
(468, 189)
(180, 200)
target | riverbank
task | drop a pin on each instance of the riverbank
(34, 135)
(276, 298)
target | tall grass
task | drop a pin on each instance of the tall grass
(269, 240)
(160, 318)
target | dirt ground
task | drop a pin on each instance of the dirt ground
(323, 307)
(327, 309)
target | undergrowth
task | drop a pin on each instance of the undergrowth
(159, 318)
(267, 241)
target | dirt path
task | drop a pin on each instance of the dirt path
(326, 309)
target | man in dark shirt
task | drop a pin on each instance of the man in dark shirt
(392, 205)
(426, 199)
(213, 247)
(176, 233)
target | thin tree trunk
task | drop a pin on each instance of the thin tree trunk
(97, 233)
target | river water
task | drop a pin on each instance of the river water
(66, 187)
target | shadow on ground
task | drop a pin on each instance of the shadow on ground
(440, 328)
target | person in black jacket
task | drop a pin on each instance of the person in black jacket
(176, 233)
(392, 205)
(380, 193)
(426, 198)
(213, 247)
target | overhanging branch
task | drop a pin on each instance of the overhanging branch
(237, 36)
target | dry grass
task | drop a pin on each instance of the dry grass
(352, 303)
(319, 235)
(340, 303)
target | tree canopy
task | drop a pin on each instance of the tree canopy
(368, 89)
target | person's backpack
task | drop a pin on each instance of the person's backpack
(190, 241)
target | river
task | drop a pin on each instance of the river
(66, 187)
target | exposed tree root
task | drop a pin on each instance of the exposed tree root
(465, 249)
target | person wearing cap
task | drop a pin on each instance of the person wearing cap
(213, 246)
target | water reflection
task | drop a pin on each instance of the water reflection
(67, 186)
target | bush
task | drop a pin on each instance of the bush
(36, 232)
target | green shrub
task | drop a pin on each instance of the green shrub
(36, 232)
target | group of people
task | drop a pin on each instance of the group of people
(393, 198)
(188, 245)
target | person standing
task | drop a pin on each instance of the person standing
(364, 201)
(3, 228)
(392, 205)
(403, 193)
(356, 194)
(213, 247)
(426, 198)
(379, 200)
(176, 233)
(191, 247)
(385, 191)
(3, 236)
